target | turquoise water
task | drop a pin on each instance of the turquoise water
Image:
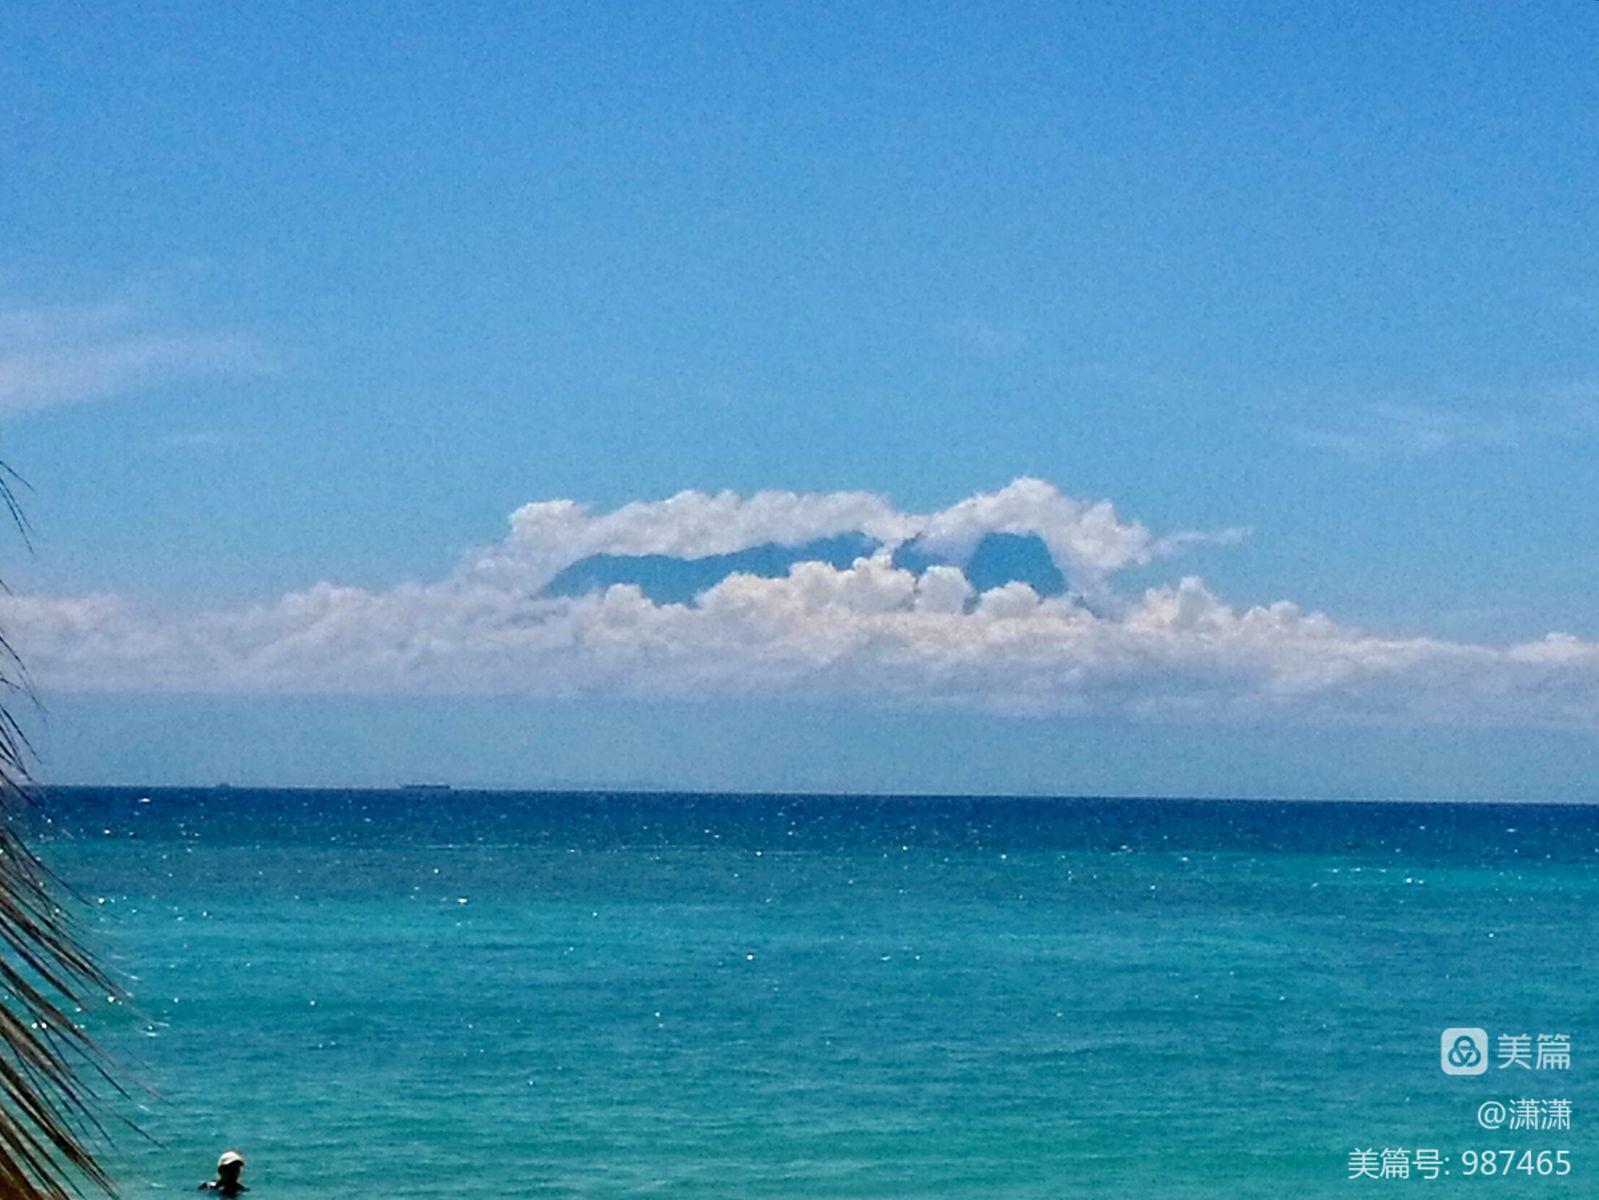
(616, 996)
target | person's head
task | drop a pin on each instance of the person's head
(229, 1166)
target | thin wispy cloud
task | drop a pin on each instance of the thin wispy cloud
(1576, 408)
(986, 338)
(1395, 430)
(874, 631)
(59, 355)
(1386, 429)
(197, 441)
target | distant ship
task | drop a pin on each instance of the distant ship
(424, 787)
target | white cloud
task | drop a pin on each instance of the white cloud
(551, 534)
(1390, 430)
(869, 632)
(1087, 541)
(52, 356)
(1400, 429)
(198, 441)
(986, 338)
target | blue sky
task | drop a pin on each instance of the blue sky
(325, 293)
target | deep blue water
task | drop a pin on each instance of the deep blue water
(598, 995)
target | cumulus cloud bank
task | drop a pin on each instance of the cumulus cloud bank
(872, 631)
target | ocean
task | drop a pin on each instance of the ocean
(426, 994)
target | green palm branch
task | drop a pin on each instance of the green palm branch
(48, 1127)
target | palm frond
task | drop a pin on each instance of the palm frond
(48, 1126)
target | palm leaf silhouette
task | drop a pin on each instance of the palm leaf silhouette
(47, 1123)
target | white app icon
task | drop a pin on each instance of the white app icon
(1464, 1051)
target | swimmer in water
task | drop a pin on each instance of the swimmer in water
(229, 1167)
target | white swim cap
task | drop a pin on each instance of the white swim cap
(230, 1157)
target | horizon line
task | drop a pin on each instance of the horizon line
(437, 788)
